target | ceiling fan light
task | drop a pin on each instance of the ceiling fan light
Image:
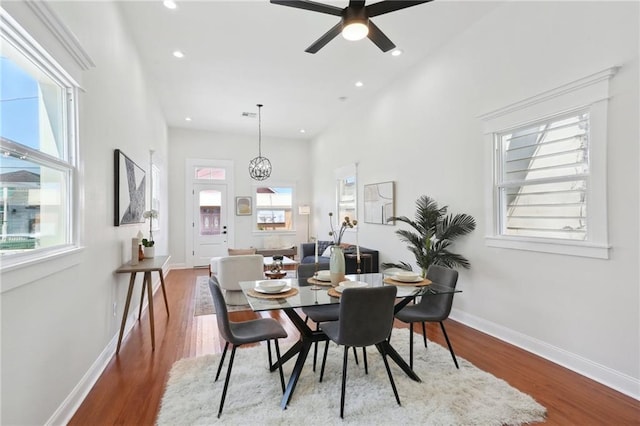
(355, 31)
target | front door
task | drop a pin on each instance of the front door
(209, 222)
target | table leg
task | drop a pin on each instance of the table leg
(302, 347)
(164, 293)
(144, 288)
(132, 281)
(147, 279)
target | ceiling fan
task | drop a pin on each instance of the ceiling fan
(354, 23)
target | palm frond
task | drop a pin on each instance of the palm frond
(452, 227)
(401, 265)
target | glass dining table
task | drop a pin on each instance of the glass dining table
(303, 294)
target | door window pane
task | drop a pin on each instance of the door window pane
(210, 205)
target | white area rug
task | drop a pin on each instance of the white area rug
(446, 396)
(204, 301)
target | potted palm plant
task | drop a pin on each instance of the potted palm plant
(433, 232)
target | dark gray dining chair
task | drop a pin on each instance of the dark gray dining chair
(432, 308)
(321, 313)
(366, 318)
(240, 333)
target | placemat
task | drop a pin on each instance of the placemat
(251, 292)
(333, 293)
(312, 280)
(422, 283)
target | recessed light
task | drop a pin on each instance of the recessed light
(187, 119)
(303, 131)
(170, 4)
(397, 52)
(359, 84)
(178, 54)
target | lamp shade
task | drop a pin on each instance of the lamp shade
(304, 210)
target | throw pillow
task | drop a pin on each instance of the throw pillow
(326, 252)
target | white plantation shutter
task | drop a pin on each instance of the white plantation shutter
(543, 178)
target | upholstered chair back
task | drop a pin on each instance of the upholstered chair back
(233, 269)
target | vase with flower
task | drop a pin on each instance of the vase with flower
(336, 259)
(149, 244)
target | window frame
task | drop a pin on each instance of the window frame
(589, 94)
(66, 254)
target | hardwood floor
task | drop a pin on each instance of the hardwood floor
(130, 389)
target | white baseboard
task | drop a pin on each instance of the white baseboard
(72, 402)
(607, 376)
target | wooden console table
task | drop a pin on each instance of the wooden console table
(147, 266)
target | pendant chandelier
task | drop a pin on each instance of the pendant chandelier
(260, 167)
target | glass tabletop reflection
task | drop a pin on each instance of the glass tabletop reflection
(310, 295)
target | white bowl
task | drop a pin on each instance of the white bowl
(324, 275)
(352, 284)
(405, 276)
(272, 286)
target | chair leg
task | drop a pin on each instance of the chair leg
(411, 346)
(344, 380)
(224, 353)
(455, 361)
(324, 359)
(364, 355)
(386, 364)
(269, 352)
(279, 364)
(315, 350)
(226, 382)
(355, 355)
(424, 334)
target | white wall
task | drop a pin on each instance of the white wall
(427, 137)
(289, 159)
(55, 329)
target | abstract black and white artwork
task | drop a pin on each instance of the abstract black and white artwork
(129, 190)
(379, 203)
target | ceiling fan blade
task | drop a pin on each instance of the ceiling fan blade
(326, 38)
(390, 6)
(378, 37)
(310, 5)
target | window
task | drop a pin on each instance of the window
(346, 192)
(274, 208)
(542, 184)
(548, 174)
(37, 142)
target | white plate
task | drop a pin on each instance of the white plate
(326, 277)
(278, 286)
(350, 284)
(407, 279)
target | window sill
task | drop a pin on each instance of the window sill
(570, 248)
(23, 270)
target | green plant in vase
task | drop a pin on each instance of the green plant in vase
(433, 233)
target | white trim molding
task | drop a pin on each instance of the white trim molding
(607, 376)
(590, 93)
(62, 33)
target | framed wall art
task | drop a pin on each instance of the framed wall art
(243, 206)
(379, 203)
(129, 190)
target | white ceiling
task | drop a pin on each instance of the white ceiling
(241, 53)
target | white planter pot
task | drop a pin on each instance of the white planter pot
(149, 252)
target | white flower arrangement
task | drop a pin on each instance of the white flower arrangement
(149, 214)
